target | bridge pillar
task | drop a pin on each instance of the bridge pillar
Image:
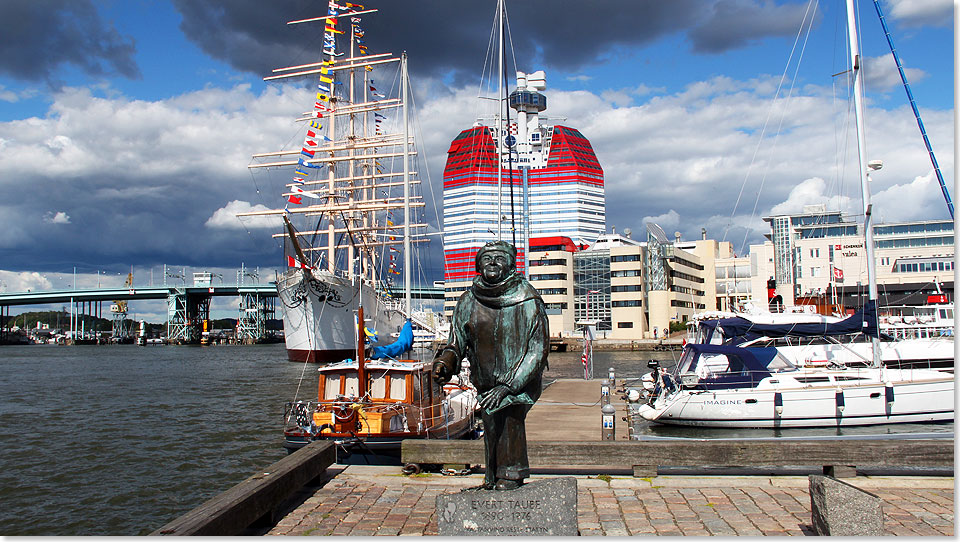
(185, 316)
(121, 326)
(177, 326)
(254, 311)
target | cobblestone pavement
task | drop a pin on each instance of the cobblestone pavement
(363, 501)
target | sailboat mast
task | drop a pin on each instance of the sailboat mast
(862, 155)
(405, 89)
(499, 128)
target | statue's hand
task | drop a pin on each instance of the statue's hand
(441, 373)
(493, 397)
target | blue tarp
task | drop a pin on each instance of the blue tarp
(393, 350)
(737, 330)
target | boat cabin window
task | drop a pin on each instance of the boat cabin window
(843, 378)
(779, 363)
(331, 387)
(352, 385)
(398, 387)
(378, 386)
(417, 389)
(707, 335)
(710, 364)
(812, 379)
(687, 359)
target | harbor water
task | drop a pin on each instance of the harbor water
(119, 440)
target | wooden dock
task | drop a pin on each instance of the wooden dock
(569, 409)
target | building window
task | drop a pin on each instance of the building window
(549, 276)
(625, 325)
(547, 261)
(627, 288)
(552, 291)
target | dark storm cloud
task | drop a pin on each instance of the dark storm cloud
(164, 227)
(37, 37)
(443, 35)
(731, 24)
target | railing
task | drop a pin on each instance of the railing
(838, 457)
(415, 418)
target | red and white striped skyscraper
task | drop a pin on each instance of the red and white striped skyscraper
(514, 176)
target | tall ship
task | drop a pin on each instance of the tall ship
(516, 174)
(348, 195)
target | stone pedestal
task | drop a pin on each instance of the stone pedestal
(541, 507)
(840, 509)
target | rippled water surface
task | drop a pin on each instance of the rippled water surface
(118, 440)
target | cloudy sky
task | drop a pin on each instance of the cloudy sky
(126, 127)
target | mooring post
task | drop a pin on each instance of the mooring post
(609, 421)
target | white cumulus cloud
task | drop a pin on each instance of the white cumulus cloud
(59, 217)
(23, 281)
(226, 217)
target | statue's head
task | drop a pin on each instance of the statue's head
(496, 261)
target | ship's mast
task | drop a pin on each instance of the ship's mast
(863, 165)
(407, 275)
(348, 200)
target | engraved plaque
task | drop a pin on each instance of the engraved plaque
(539, 508)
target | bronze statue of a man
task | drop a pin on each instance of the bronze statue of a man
(500, 326)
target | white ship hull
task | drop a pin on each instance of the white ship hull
(934, 353)
(319, 315)
(917, 396)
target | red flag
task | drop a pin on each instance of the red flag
(837, 274)
(295, 199)
(293, 262)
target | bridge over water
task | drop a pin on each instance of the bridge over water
(188, 307)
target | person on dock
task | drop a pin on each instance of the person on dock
(500, 327)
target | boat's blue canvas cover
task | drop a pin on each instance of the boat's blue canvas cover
(747, 366)
(393, 350)
(741, 329)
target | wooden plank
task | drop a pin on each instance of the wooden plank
(702, 453)
(240, 506)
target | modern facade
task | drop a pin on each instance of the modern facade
(517, 180)
(822, 253)
(627, 289)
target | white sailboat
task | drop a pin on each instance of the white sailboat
(345, 183)
(748, 385)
